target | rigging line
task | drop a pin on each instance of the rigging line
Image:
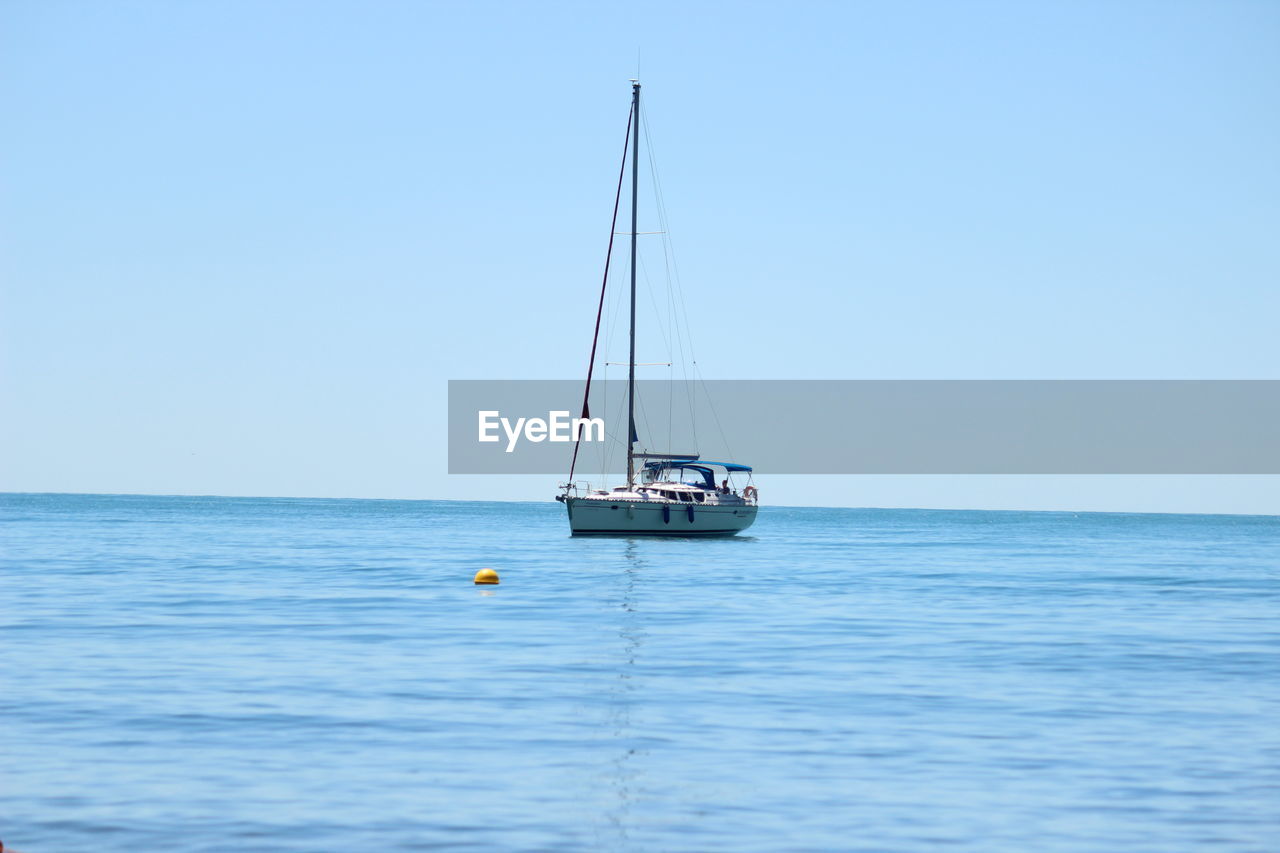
(649, 289)
(612, 441)
(595, 337)
(618, 445)
(668, 247)
(613, 438)
(672, 405)
(658, 313)
(616, 302)
(662, 215)
(673, 277)
(607, 448)
(644, 416)
(677, 333)
(668, 243)
(648, 286)
(711, 405)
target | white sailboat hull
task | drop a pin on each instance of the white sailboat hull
(613, 517)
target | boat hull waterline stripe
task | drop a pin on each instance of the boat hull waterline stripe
(595, 515)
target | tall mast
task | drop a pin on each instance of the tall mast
(631, 362)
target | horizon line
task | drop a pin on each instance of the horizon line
(469, 500)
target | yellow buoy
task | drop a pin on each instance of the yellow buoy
(486, 576)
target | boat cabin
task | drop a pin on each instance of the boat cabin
(690, 481)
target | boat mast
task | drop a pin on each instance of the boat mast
(631, 362)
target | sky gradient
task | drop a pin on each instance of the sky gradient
(244, 244)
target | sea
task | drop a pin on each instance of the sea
(247, 674)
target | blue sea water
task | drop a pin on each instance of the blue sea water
(200, 674)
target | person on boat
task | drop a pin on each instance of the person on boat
(724, 487)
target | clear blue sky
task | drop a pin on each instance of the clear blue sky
(245, 244)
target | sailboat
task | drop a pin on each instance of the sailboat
(666, 494)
